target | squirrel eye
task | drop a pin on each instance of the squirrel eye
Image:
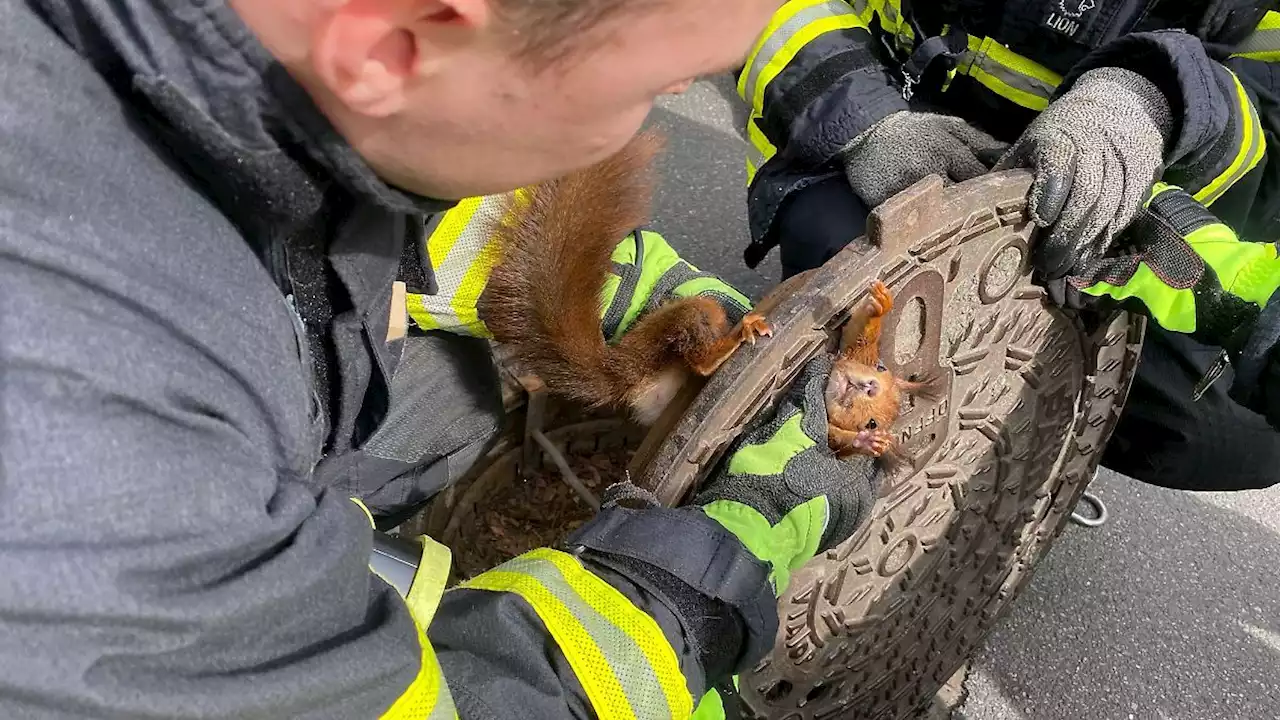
(871, 424)
(879, 366)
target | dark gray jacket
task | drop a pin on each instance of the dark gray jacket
(195, 280)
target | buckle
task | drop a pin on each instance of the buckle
(945, 48)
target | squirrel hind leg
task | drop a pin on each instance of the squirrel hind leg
(714, 341)
(686, 336)
(650, 398)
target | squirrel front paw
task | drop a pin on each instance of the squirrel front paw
(846, 444)
(881, 299)
(753, 326)
(873, 442)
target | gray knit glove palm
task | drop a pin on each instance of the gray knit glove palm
(1096, 152)
(898, 151)
(783, 493)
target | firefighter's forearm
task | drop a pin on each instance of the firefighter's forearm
(809, 50)
(590, 633)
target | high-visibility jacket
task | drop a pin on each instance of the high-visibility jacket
(824, 71)
(195, 287)
(462, 248)
(611, 623)
(827, 70)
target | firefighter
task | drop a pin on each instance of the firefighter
(208, 401)
(1151, 128)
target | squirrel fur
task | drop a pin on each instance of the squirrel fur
(543, 296)
(863, 397)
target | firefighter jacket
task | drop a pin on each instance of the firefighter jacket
(195, 286)
(824, 71)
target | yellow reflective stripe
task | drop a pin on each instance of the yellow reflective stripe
(829, 16)
(759, 149)
(639, 627)
(463, 254)
(365, 508)
(1008, 74)
(618, 653)
(783, 16)
(429, 581)
(468, 293)
(1253, 145)
(428, 695)
(451, 227)
(429, 311)
(1264, 43)
(418, 311)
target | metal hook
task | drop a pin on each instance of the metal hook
(1100, 512)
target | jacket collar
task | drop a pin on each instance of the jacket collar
(222, 98)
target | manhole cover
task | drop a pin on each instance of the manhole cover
(875, 627)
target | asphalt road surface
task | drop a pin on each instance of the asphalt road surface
(1170, 611)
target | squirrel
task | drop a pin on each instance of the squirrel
(542, 298)
(863, 397)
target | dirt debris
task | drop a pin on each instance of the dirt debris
(521, 515)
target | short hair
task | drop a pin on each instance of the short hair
(545, 29)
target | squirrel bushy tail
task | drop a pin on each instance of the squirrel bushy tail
(543, 296)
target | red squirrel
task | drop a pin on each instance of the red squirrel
(863, 397)
(543, 295)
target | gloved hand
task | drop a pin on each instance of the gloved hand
(647, 272)
(898, 151)
(1186, 270)
(1096, 151)
(782, 492)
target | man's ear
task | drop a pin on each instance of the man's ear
(369, 52)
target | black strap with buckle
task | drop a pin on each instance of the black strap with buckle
(944, 49)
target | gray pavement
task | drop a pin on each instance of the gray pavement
(1170, 611)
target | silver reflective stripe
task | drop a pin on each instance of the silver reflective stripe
(627, 661)
(1261, 41)
(452, 269)
(444, 709)
(755, 157)
(779, 38)
(976, 63)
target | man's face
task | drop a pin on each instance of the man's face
(474, 117)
